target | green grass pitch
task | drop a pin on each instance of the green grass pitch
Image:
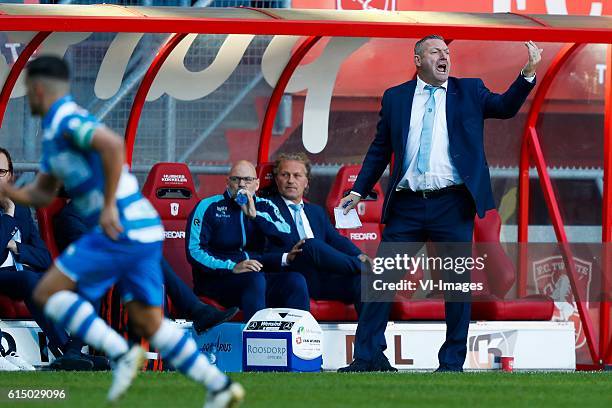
(169, 389)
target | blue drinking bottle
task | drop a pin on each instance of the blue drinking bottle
(241, 198)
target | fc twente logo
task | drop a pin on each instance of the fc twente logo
(551, 279)
(174, 209)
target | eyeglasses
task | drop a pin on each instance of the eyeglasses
(236, 179)
(4, 172)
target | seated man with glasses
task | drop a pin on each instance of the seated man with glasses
(225, 239)
(23, 259)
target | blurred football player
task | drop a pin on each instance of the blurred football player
(123, 246)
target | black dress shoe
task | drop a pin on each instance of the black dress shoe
(72, 362)
(381, 363)
(211, 317)
(100, 363)
(357, 366)
(446, 369)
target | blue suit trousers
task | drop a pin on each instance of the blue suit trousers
(447, 218)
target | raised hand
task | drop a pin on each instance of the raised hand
(534, 57)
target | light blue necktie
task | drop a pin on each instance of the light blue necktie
(17, 238)
(297, 214)
(427, 132)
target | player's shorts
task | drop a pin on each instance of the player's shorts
(96, 262)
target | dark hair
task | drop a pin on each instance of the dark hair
(300, 157)
(48, 66)
(8, 158)
(418, 47)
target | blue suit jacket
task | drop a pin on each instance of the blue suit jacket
(468, 103)
(322, 229)
(32, 249)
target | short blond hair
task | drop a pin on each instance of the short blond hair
(299, 157)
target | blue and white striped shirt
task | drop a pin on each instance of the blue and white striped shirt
(67, 155)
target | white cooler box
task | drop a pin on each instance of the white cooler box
(282, 339)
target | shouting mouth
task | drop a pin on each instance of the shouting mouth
(442, 67)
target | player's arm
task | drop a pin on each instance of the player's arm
(39, 193)
(110, 147)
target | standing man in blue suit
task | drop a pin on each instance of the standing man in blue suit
(330, 262)
(439, 180)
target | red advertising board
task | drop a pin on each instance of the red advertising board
(571, 7)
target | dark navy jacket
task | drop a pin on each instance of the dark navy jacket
(322, 229)
(468, 103)
(32, 249)
(219, 235)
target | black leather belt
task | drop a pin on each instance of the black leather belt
(434, 193)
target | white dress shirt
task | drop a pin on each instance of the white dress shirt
(307, 229)
(442, 173)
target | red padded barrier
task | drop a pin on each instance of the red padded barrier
(13, 309)
(533, 307)
(7, 308)
(424, 309)
(21, 310)
(332, 311)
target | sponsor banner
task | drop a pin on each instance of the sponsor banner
(269, 325)
(174, 234)
(27, 340)
(363, 236)
(266, 352)
(411, 346)
(174, 179)
(284, 340)
(307, 342)
(414, 346)
(563, 7)
(223, 345)
(388, 5)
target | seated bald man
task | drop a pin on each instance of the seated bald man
(225, 239)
